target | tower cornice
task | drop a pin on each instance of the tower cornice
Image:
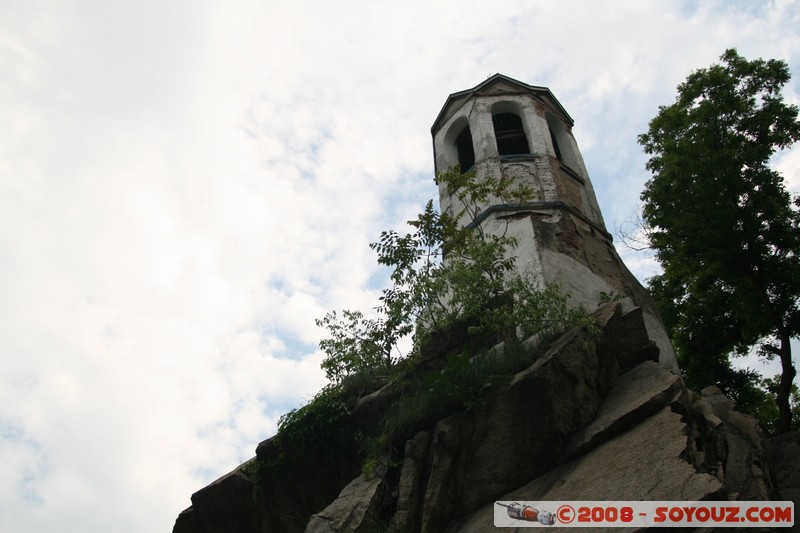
(483, 89)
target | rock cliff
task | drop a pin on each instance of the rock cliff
(590, 416)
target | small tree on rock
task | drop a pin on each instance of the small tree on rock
(444, 273)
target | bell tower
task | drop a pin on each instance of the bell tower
(508, 129)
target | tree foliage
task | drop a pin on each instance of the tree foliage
(721, 221)
(444, 272)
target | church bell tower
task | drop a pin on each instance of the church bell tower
(511, 130)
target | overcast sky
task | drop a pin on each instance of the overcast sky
(186, 185)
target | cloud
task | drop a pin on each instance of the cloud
(185, 187)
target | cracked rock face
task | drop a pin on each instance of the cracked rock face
(593, 418)
(357, 501)
(644, 463)
(784, 454)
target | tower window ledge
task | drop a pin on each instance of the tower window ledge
(571, 173)
(470, 169)
(518, 157)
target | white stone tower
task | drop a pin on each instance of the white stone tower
(505, 128)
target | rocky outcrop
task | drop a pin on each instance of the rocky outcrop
(592, 418)
(355, 506)
(225, 505)
(784, 453)
(644, 463)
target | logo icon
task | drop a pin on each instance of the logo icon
(529, 514)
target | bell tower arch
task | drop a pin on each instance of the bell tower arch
(508, 129)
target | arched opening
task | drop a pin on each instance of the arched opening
(562, 147)
(510, 134)
(466, 151)
(457, 147)
(555, 144)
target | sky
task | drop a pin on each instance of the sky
(186, 185)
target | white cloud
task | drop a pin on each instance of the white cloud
(184, 187)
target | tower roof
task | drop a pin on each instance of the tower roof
(497, 85)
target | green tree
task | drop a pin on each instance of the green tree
(721, 220)
(758, 395)
(446, 272)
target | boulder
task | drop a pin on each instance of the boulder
(784, 454)
(635, 395)
(353, 511)
(410, 484)
(738, 445)
(227, 504)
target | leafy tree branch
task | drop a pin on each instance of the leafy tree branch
(448, 270)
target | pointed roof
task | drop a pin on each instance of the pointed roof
(495, 85)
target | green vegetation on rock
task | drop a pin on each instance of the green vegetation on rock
(449, 272)
(456, 295)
